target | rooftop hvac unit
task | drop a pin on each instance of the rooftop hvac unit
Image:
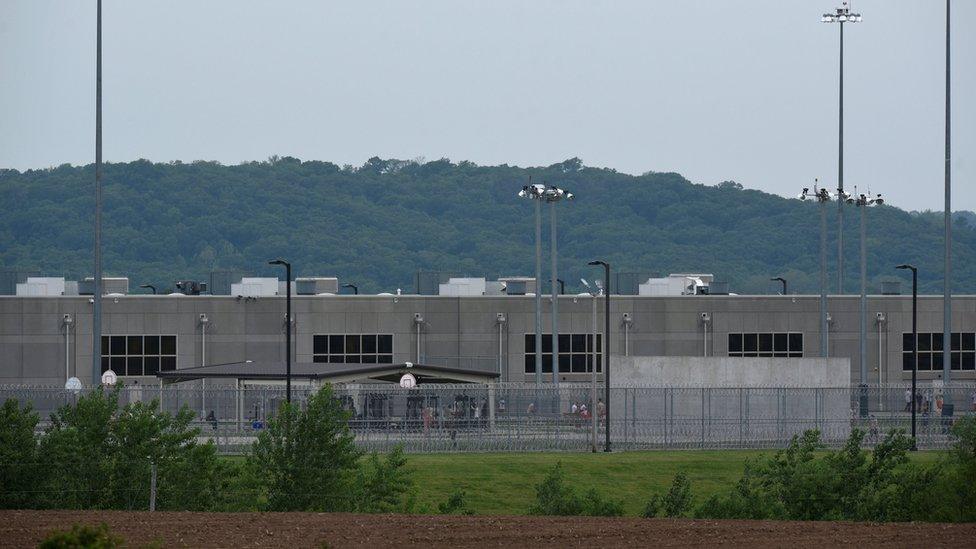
(891, 287)
(315, 285)
(718, 288)
(118, 285)
(191, 287)
(10, 278)
(41, 286)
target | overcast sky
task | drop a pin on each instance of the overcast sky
(714, 90)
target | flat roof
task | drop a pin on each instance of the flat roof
(336, 373)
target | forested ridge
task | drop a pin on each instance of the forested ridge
(378, 224)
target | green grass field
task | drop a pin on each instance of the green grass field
(505, 483)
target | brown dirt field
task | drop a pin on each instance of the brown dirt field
(27, 528)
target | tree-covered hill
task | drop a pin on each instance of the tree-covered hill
(378, 224)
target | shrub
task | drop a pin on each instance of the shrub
(306, 460)
(678, 500)
(595, 505)
(382, 484)
(554, 497)
(455, 504)
(81, 536)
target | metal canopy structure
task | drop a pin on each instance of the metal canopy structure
(329, 373)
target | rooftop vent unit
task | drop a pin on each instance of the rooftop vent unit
(10, 278)
(315, 285)
(191, 287)
(718, 288)
(255, 287)
(118, 285)
(891, 287)
(518, 285)
(41, 286)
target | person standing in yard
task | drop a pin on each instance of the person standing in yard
(908, 400)
(601, 411)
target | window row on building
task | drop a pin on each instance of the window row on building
(576, 353)
(353, 348)
(931, 351)
(768, 344)
(138, 355)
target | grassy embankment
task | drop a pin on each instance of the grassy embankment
(504, 484)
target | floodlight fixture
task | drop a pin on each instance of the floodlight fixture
(842, 14)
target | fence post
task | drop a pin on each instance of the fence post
(703, 417)
(152, 485)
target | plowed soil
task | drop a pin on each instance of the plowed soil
(27, 528)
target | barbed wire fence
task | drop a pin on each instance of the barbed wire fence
(517, 417)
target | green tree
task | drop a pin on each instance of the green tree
(306, 459)
(18, 455)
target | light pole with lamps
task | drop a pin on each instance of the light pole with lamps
(842, 15)
(553, 196)
(97, 292)
(914, 342)
(287, 325)
(822, 196)
(536, 193)
(863, 202)
(606, 349)
(780, 279)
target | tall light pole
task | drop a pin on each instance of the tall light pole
(554, 195)
(537, 194)
(947, 283)
(606, 349)
(287, 325)
(822, 196)
(842, 15)
(780, 279)
(97, 292)
(914, 342)
(863, 202)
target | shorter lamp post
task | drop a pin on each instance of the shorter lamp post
(606, 349)
(287, 326)
(914, 343)
(781, 279)
(355, 289)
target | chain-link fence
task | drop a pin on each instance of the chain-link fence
(526, 417)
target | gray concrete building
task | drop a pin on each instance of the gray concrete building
(45, 339)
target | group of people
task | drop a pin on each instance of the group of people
(579, 410)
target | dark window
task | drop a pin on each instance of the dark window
(369, 344)
(385, 344)
(135, 345)
(906, 343)
(320, 358)
(969, 341)
(735, 344)
(337, 344)
(765, 343)
(167, 345)
(924, 342)
(152, 365)
(118, 345)
(167, 363)
(579, 343)
(780, 342)
(133, 366)
(937, 341)
(320, 345)
(384, 359)
(151, 345)
(352, 344)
